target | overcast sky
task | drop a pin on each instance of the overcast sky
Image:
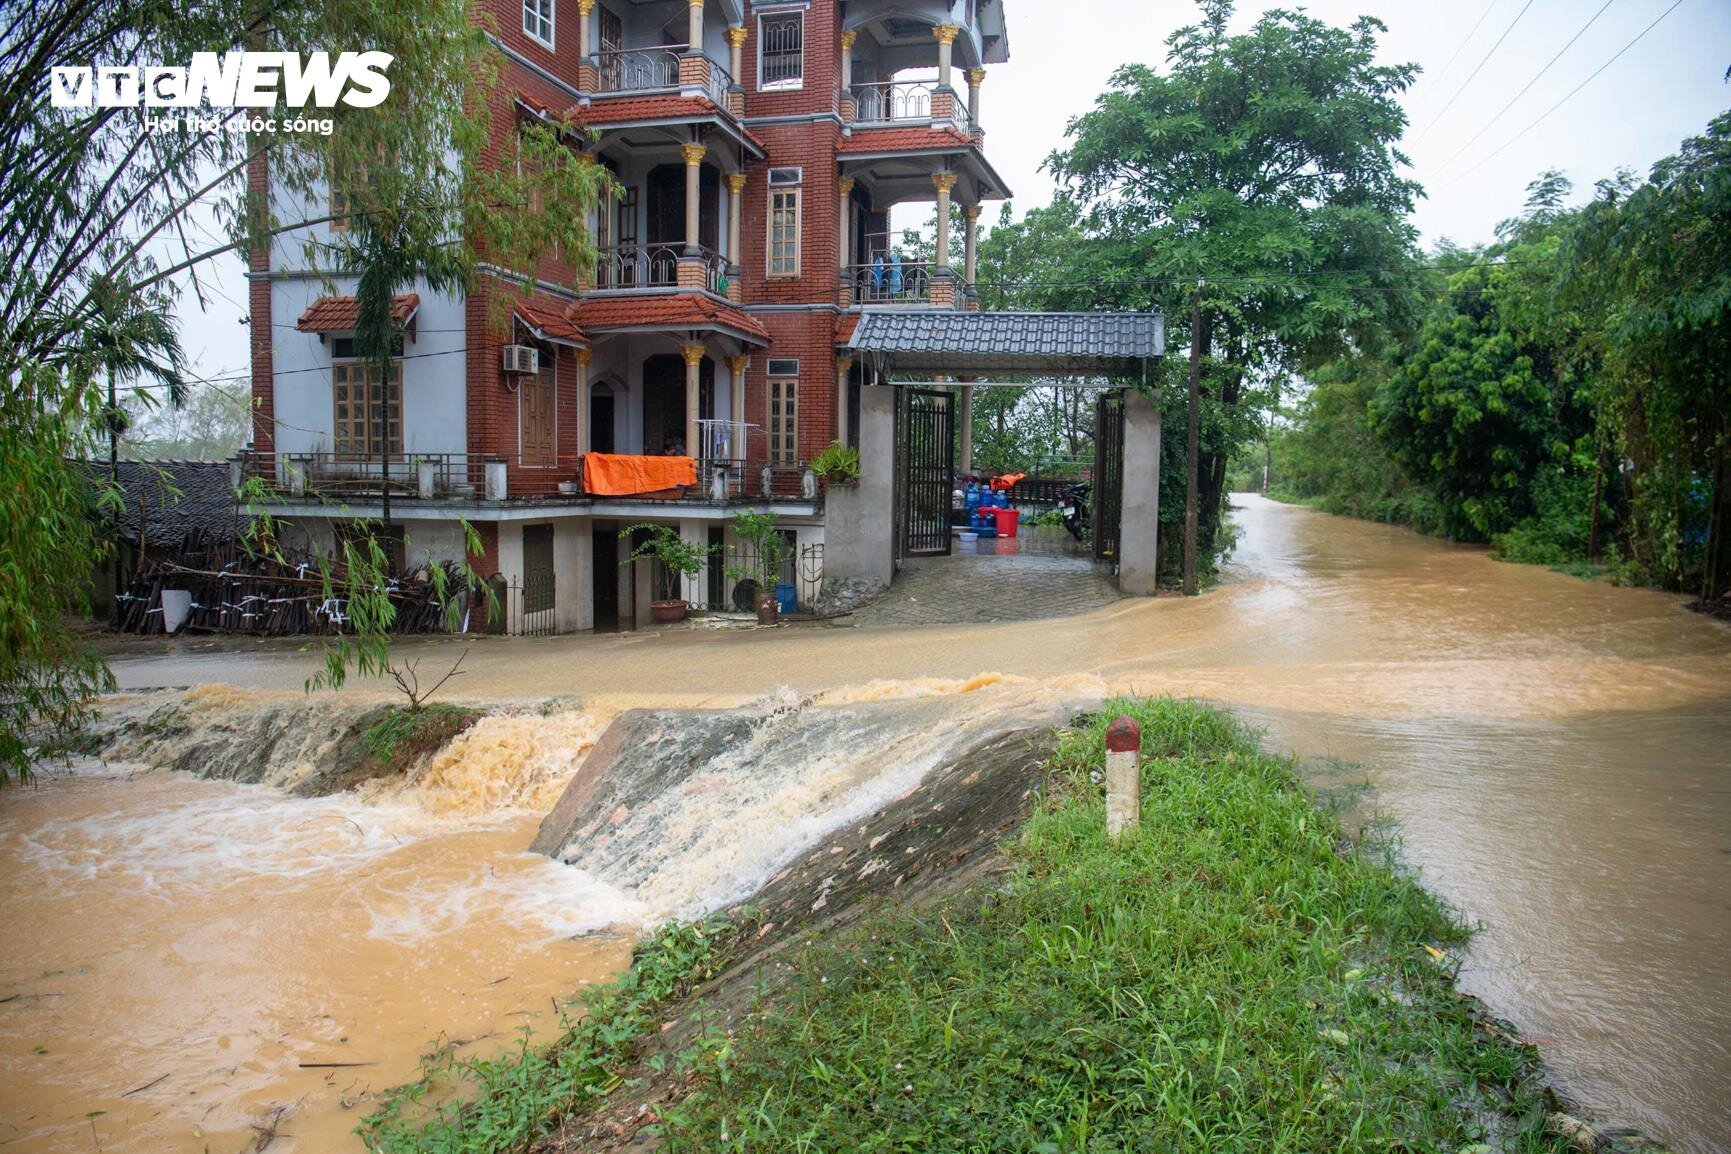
(1666, 87)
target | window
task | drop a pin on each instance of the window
(781, 51)
(784, 222)
(783, 421)
(538, 20)
(369, 419)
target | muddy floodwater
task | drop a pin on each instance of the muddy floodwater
(182, 956)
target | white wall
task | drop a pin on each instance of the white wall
(435, 410)
(619, 360)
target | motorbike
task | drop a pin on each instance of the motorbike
(1073, 507)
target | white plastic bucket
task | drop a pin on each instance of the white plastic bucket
(967, 542)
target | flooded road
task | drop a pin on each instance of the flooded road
(1558, 754)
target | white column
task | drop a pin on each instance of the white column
(847, 42)
(976, 77)
(735, 49)
(843, 366)
(581, 356)
(965, 459)
(970, 243)
(693, 355)
(584, 10)
(693, 192)
(943, 182)
(736, 410)
(694, 27)
(844, 193)
(945, 35)
(735, 189)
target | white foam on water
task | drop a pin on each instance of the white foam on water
(803, 773)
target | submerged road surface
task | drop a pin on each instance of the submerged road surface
(1558, 754)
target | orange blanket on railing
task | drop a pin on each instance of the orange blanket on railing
(620, 475)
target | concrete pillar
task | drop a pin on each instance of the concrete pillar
(843, 366)
(844, 190)
(693, 154)
(1139, 526)
(976, 77)
(582, 356)
(945, 35)
(585, 46)
(696, 534)
(736, 366)
(859, 521)
(693, 355)
(694, 27)
(943, 182)
(735, 193)
(847, 43)
(1123, 777)
(970, 243)
(965, 431)
(735, 51)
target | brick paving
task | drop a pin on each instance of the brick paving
(1045, 577)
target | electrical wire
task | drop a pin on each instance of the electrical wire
(1469, 80)
(1461, 47)
(1572, 92)
(1527, 87)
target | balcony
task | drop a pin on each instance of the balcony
(890, 282)
(636, 266)
(661, 69)
(890, 101)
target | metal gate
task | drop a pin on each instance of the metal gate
(1108, 473)
(927, 447)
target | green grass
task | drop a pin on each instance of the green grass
(1227, 980)
(1234, 977)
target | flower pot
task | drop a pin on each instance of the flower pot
(667, 612)
(768, 609)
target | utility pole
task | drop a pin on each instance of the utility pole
(1193, 439)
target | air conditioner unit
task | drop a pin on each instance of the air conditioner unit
(522, 359)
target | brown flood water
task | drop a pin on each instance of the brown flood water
(1558, 755)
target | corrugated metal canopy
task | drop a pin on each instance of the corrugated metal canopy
(938, 341)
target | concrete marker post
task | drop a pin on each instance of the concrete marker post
(1123, 777)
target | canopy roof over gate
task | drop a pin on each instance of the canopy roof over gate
(938, 341)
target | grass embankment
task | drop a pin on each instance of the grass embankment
(1234, 977)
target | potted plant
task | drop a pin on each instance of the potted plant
(769, 549)
(681, 561)
(837, 464)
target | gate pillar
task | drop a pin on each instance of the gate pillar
(859, 520)
(1139, 528)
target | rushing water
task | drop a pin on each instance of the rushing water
(1558, 753)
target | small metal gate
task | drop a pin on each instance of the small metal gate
(927, 446)
(1108, 473)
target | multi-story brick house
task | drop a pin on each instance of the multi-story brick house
(761, 145)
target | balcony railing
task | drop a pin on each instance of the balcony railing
(720, 84)
(628, 266)
(638, 69)
(886, 281)
(893, 100)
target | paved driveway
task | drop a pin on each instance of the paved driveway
(1036, 575)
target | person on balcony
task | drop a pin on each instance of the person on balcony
(896, 274)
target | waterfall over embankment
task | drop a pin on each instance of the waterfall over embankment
(688, 811)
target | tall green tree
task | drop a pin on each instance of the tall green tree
(1252, 189)
(1653, 265)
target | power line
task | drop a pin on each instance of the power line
(1469, 80)
(1620, 52)
(1528, 86)
(1461, 47)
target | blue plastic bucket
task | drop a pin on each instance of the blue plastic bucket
(785, 597)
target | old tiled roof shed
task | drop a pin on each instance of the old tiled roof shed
(179, 499)
(1110, 344)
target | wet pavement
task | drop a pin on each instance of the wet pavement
(1038, 574)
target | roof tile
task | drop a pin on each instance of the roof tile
(666, 310)
(342, 314)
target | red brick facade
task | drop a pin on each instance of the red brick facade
(804, 315)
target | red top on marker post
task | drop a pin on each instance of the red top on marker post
(1123, 736)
